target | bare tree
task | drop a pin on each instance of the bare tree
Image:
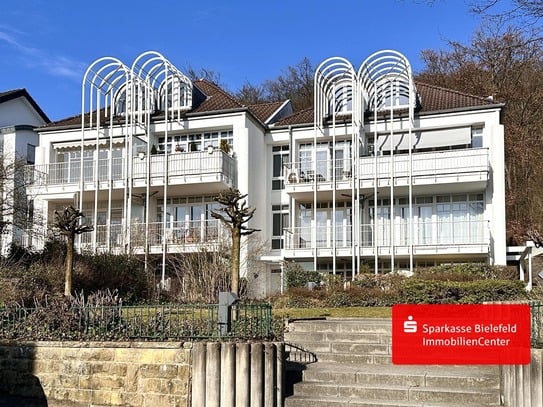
(235, 214)
(296, 84)
(16, 204)
(204, 73)
(68, 223)
(250, 94)
(507, 67)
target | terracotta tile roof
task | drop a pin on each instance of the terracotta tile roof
(263, 111)
(431, 99)
(434, 98)
(302, 117)
(216, 98)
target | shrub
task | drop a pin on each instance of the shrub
(416, 291)
(296, 276)
(466, 272)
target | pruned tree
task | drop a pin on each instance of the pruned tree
(68, 223)
(235, 214)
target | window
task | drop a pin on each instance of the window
(175, 95)
(343, 99)
(477, 137)
(133, 99)
(30, 154)
(280, 157)
(280, 221)
(194, 142)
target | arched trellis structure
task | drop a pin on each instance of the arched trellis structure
(170, 91)
(335, 93)
(378, 93)
(117, 103)
(387, 82)
(103, 82)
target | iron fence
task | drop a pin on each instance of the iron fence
(143, 322)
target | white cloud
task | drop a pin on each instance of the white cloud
(56, 65)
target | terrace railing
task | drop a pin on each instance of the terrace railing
(169, 322)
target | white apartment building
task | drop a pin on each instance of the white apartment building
(381, 174)
(19, 116)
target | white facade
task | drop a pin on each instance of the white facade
(19, 116)
(383, 174)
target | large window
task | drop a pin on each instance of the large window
(280, 157)
(280, 221)
(195, 142)
(325, 166)
(437, 220)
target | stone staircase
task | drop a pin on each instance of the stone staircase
(347, 362)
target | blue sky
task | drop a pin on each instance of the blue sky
(46, 45)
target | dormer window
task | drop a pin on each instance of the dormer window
(343, 99)
(390, 93)
(175, 93)
(136, 100)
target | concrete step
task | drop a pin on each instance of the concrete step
(296, 401)
(343, 325)
(338, 337)
(354, 359)
(399, 394)
(350, 364)
(344, 347)
(459, 377)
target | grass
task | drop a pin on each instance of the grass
(346, 312)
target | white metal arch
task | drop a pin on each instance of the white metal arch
(387, 81)
(335, 91)
(102, 83)
(172, 90)
(332, 74)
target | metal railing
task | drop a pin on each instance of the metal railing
(181, 164)
(181, 233)
(425, 233)
(146, 323)
(439, 163)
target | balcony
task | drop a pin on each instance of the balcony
(179, 236)
(429, 168)
(428, 238)
(469, 165)
(192, 167)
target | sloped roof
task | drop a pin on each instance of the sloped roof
(216, 98)
(434, 98)
(431, 99)
(17, 93)
(263, 111)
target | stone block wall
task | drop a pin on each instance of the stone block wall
(98, 374)
(522, 385)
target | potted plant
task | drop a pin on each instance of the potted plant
(225, 147)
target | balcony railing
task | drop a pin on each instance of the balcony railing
(180, 164)
(176, 233)
(424, 164)
(442, 233)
